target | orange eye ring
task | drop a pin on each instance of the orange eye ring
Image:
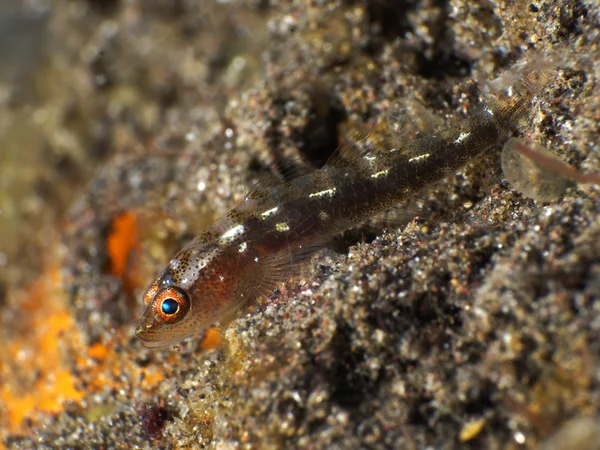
(171, 304)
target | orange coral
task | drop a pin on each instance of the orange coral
(38, 351)
(38, 366)
(122, 244)
(121, 241)
(212, 339)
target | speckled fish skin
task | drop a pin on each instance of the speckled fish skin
(245, 253)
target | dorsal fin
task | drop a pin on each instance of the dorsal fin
(408, 118)
(261, 182)
(360, 140)
(510, 95)
(365, 149)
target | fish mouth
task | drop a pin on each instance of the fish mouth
(148, 339)
(154, 341)
(146, 332)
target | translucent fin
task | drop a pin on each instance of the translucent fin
(366, 149)
(550, 163)
(279, 267)
(361, 140)
(510, 95)
(284, 265)
(408, 118)
(263, 180)
(258, 185)
(396, 217)
(527, 176)
(374, 148)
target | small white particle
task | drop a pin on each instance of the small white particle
(190, 136)
(201, 185)
(519, 437)
(243, 247)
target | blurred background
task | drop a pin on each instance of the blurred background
(22, 33)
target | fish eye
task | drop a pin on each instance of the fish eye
(172, 304)
(169, 306)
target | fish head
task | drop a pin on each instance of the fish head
(190, 294)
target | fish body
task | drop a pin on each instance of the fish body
(245, 253)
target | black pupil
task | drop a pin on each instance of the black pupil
(169, 306)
